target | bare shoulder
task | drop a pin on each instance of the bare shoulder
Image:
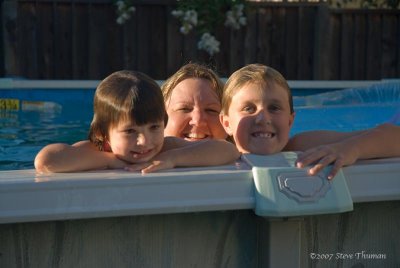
(84, 144)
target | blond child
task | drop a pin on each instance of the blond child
(257, 111)
(127, 131)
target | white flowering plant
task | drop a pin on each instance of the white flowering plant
(206, 15)
(125, 9)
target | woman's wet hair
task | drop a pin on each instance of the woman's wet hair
(192, 70)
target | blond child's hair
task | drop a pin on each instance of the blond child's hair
(192, 70)
(255, 74)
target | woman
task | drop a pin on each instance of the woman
(193, 101)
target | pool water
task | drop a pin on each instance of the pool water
(24, 131)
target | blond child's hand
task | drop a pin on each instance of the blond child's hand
(338, 154)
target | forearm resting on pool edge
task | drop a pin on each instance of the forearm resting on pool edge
(379, 142)
(66, 158)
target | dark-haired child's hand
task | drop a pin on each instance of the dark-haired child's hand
(160, 162)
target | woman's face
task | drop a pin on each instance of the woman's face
(193, 111)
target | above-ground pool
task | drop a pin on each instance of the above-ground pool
(31, 117)
(196, 217)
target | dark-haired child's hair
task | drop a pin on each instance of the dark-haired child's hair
(125, 95)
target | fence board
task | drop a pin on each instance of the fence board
(306, 42)
(143, 48)
(63, 40)
(264, 36)
(44, 41)
(291, 43)
(373, 62)
(114, 42)
(397, 38)
(9, 35)
(27, 58)
(190, 47)
(174, 44)
(346, 46)
(2, 48)
(221, 60)
(360, 46)
(335, 48)
(129, 41)
(98, 47)
(158, 49)
(278, 39)
(80, 40)
(250, 41)
(389, 45)
(236, 50)
(321, 56)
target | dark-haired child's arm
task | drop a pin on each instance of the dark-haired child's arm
(180, 153)
(342, 149)
(81, 156)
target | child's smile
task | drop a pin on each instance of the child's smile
(263, 135)
(141, 154)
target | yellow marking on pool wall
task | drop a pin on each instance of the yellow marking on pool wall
(39, 106)
(9, 104)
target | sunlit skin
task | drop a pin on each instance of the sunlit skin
(259, 119)
(193, 111)
(136, 144)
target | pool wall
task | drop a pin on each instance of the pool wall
(209, 239)
(192, 217)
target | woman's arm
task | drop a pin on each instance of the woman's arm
(180, 153)
(342, 149)
(81, 156)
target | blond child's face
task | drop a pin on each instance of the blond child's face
(193, 111)
(259, 119)
(136, 144)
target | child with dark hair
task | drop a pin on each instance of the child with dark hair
(127, 131)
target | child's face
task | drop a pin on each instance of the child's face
(193, 111)
(136, 144)
(259, 119)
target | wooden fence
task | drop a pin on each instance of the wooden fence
(79, 39)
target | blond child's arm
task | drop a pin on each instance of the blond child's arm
(81, 156)
(342, 149)
(180, 153)
(311, 139)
